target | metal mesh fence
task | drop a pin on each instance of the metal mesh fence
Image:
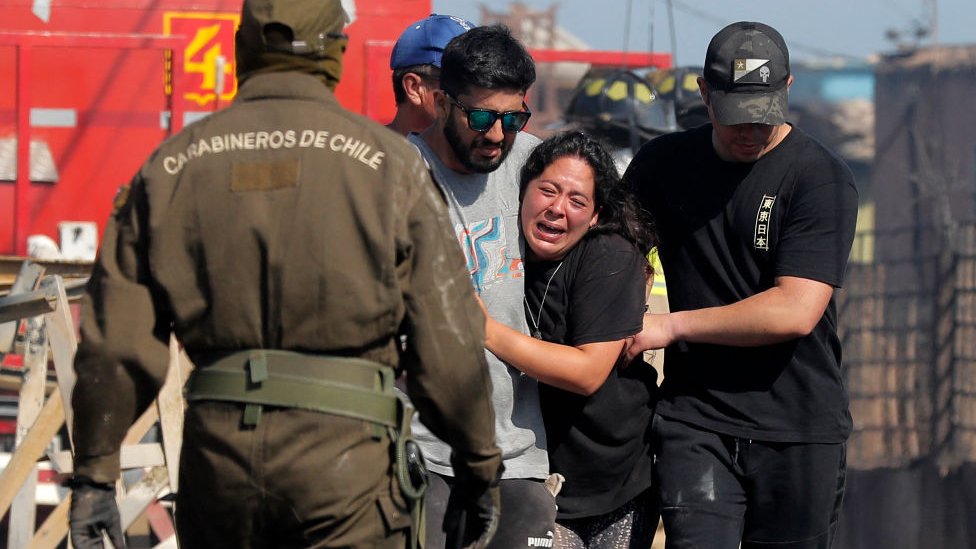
(908, 328)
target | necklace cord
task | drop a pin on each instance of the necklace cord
(536, 333)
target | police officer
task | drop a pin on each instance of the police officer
(289, 244)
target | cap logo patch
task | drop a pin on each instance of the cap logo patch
(464, 24)
(751, 71)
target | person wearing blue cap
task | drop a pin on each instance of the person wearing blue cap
(416, 64)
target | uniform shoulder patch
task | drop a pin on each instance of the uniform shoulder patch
(121, 198)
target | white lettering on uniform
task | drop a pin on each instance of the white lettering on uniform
(320, 139)
(290, 139)
(312, 138)
(170, 165)
(203, 147)
(350, 147)
(376, 160)
(356, 149)
(337, 141)
(275, 139)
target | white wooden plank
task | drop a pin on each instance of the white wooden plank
(32, 448)
(23, 510)
(61, 334)
(54, 529)
(131, 456)
(171, 406)
(141, 494)
(26, 281)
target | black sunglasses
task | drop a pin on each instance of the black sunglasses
(481, 120)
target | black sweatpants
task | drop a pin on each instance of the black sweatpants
(528, 517)
(717, 490)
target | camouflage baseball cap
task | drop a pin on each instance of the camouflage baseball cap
(300, 27)
(747, 68)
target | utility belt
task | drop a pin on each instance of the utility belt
(343, 386)
(350, 387)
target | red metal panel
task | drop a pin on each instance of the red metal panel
(22, 184)
(105, 129)
(366, 76)
(101, 64)
(377, 93)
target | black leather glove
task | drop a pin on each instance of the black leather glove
(93, 510)
(471, 518)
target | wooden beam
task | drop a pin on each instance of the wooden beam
(16, 307)
(139, 496)
(170, 404)
(64, 342)
(54, 528)
(30, 273)
(22, 463)
(10, 265)
(12, 382)
(23, 511)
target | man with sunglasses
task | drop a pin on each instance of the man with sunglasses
(475, 151)
(416, 65)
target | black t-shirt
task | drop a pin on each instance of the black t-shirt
(599, 443)
(727, 230)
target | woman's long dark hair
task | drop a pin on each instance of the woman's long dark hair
(618, 208)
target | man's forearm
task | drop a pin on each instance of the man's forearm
(789, 310)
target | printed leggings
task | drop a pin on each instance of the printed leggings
(630, 526)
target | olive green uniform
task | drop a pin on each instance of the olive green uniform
(283, 222)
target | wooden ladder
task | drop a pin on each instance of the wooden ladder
(44, 408)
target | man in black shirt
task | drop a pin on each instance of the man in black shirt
(755, 221)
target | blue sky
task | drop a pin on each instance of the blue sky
(812, 28)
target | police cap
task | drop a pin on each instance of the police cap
(300, 27)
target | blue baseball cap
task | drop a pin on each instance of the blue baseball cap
(423, 42)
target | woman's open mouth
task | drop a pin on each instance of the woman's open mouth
(549, 230)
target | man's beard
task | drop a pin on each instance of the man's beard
(465, 153)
